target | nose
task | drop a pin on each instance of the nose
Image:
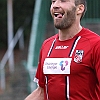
(56, 4)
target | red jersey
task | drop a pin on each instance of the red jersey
(83, 81)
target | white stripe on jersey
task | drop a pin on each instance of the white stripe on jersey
(51, 47)
(75, 44)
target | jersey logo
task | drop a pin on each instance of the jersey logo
(63, 64)
(78, 56)
(61, 47)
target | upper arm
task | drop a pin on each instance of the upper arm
(40, 77)
(37, 94)
(96, 60)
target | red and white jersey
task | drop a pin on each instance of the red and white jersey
(83, 80)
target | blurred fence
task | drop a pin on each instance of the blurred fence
(18, 36)
(91, 19)
(93, 8)
(92, 15)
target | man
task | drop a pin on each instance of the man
(69, 64)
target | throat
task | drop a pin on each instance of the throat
(63, 38)
(67, 34)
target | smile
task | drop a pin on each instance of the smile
(58, 15)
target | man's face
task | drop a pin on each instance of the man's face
(63, 13)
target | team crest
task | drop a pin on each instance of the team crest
(78, 56)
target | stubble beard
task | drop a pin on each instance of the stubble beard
(67, 21)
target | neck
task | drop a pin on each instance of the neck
(65, 34)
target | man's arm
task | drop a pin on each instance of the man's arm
(37, 94)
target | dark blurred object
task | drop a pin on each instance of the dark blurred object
(21, 10)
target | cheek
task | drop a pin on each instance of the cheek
(51, 11)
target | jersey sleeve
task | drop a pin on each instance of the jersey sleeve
(40, 78)
(96, 59)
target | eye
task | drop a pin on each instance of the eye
(53, 1)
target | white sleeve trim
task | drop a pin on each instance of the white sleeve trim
(36, 81)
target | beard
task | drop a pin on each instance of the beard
(67, 20)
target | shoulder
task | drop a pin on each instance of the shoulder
(91, 36)
(93, 41)
(49, 41)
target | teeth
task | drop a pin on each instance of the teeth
(56, 14)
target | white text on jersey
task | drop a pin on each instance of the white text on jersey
(61, 47)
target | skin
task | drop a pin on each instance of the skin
(37, 94)
(68, 23)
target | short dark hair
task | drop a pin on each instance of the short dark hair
(78, 2)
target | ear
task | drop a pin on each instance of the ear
(80, 9)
